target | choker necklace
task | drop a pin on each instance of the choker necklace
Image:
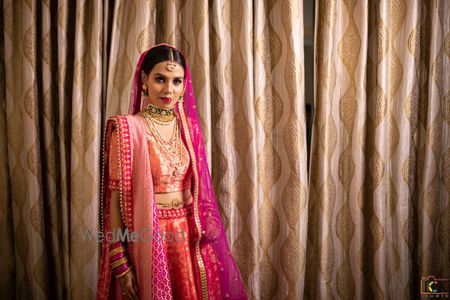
(160, 115)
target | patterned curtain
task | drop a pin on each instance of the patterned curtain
(66, 66)
(375, 215)
(380, 163)
(51, 71)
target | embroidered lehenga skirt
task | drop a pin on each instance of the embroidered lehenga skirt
(177, 227)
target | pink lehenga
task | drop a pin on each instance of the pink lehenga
(198, 265)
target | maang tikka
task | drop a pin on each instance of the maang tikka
(171, 65)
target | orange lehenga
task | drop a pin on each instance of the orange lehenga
(176, 224)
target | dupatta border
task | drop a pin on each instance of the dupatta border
(200, 262)
(125, 169)
(125, 194)
(104, 276)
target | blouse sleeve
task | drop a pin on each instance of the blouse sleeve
(114, 172)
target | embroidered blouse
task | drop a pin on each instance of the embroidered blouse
(168, 176)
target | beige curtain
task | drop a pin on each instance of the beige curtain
(380, 163)
(378, 214)
(50, 147)
(66, 66)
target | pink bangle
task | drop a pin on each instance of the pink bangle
(117, 256)
(120, 269)
(124, 272)
(115, 245)
(119, 253)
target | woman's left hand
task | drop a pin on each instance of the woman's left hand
(211, 230)
(128, 284)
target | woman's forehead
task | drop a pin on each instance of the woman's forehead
(169, 69)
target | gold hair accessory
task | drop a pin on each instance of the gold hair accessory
(171, 66)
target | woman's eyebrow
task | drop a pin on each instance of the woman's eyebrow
(165, 77)
(159, 74)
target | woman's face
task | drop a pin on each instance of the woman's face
(164, 86)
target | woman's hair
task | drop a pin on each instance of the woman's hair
(159, 54)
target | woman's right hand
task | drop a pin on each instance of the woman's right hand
(129, 286)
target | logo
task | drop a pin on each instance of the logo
(434, 287)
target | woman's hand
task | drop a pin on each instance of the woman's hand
(128, 284)
(211, 230)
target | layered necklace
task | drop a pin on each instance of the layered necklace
(171, 149)
(160, 115)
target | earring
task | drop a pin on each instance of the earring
(180, 99)
(144, 90)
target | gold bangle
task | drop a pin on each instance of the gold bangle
(119, 262)
(116, 250)
(124, 272)
(115, 265)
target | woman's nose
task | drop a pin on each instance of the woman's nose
(168, 87)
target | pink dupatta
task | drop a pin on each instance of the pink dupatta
(149, 258)
(138, 212)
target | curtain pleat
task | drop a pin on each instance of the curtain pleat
(7, 246)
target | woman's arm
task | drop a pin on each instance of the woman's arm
(114, 179)
(116, 219)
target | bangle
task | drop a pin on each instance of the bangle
(118, 259)
(120, 269)
(116, 250)
(117, 256)
(119, 262)
(115, 245)
(124, 272)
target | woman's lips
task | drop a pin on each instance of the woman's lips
(166, 99)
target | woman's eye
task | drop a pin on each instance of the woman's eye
(159, 79)
(177, 81)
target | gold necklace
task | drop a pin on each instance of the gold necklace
(163, 123)
(169, 148)
(162, 116)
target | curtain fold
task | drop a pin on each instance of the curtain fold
(7, 248)
(379, 215)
